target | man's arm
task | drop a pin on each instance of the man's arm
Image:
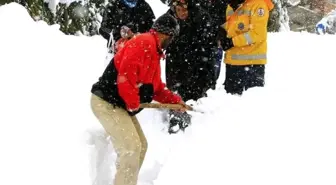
(164, 95)
(128, 76)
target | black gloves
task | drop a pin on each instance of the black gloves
(226, 42)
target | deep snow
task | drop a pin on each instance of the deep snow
(283, 133)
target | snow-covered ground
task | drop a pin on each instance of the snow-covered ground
(281, 134)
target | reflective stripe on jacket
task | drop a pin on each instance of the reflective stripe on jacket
(247, 26)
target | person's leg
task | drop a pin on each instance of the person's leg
(255, 76)
(143, 140)
(125, 139)
(233, 79)
(219, 62)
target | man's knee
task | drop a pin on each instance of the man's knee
(131, 148)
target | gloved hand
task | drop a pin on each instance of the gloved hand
(126, 32)
(225, 42)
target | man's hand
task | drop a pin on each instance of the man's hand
(126, 32)
(226, 43)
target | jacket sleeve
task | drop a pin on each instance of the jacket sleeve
(258, 27)
(164, 95)
(128, 77)
(226, 43)
(110, 22)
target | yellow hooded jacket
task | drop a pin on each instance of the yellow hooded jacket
(247, 26)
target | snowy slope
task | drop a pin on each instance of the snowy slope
(283, 133)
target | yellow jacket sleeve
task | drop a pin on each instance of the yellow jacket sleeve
(258, 27)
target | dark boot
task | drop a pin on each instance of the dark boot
(178, 121)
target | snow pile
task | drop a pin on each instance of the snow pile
(45, 78)
(283, 133)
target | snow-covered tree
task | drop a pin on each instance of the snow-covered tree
(74, 16)
(80, 17)
(279, 18)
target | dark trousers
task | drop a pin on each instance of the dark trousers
(190, 82)
(218, 63)
(240, 78)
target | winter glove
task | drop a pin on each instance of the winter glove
(226, 43)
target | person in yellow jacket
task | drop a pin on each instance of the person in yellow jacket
(244, 40)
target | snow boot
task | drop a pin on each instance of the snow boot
(178, 121)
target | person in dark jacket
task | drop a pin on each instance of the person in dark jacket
(133, 77)
(191, 57)
(217, 11)
(135, 15)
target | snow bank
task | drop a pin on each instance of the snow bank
(45, 78)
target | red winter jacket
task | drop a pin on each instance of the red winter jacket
(134, 75)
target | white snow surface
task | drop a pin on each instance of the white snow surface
(282, 134)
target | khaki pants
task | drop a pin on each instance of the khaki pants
(127, 138)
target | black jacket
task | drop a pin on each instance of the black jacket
(216, 9)
(191, 57)
(117, 14)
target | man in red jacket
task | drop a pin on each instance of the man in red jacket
(133, 77)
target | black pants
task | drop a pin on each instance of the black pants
(190, 81)
(240, 78)
(218, 62)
